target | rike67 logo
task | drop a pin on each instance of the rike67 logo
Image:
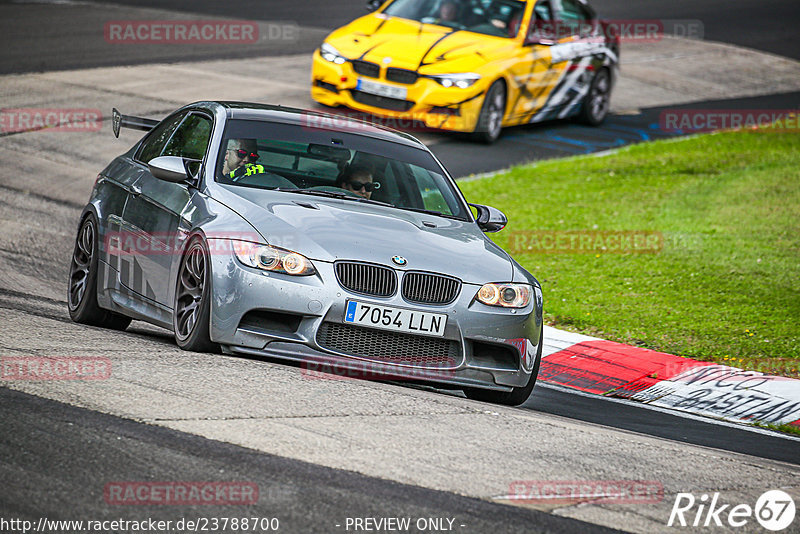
(774, 510)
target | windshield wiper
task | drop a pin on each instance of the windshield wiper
(345, 196)
(334, 194)
(431, 212)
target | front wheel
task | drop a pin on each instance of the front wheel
(490, 121)
(192, 310)
(82, 290)
(516, 396)
(597, 101)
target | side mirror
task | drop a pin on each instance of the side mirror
(373, 5)
(490, 219)
(541, 33)
(538, 40)
(169, 169)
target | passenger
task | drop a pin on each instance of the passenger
(358, 179)
(238, 153)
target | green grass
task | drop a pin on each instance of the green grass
(788, 429)
(725, 287)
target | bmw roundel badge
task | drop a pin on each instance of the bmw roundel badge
(399, 260)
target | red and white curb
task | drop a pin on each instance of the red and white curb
(612, 369)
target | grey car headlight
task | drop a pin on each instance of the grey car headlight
(329, 53)
(273, 259)
(462, 81)
(505, 295)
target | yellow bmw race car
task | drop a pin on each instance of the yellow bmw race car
(470, 65)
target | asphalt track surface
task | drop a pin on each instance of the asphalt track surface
(69, 454)
(522, 144)
(39, 36)
(46, 36)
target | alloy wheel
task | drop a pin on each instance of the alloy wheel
(191, 281)
(81, 264)
(599, 97)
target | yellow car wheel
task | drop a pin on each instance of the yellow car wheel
(597, 101)
(490, 121)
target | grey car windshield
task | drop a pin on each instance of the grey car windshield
(307, 160)
(500, 18)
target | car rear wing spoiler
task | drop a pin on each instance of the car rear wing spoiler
(118, 120)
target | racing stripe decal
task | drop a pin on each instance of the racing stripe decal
(552, 78)
(576, 101)
(443, 55)
(138, 278)
(522, 87)
(568, 82)
(468, 99)
(370, 49)
(439, 40)
(125, 270)
(376, 30)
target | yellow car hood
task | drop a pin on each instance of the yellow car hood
(414, 45)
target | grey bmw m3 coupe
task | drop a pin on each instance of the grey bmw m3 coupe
(264, 230)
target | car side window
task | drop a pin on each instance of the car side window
(191, 138)
(155, 142)
(541, 26)
(575, 15)
(543, 11)
(432, 197)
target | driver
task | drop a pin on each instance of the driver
(239, 153)
(448, 11)
(358, 179)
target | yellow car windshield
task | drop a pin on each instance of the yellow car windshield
(500, 18)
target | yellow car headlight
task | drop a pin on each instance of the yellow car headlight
(505, 295)
(329, 53)
(273, 259)
(462, 81)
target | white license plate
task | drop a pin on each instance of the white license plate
(381, 89)
(397, 319)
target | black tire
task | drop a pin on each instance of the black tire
(516, 396)
(192, 310)
(490, 121)
(82, 287)
(596, 103)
